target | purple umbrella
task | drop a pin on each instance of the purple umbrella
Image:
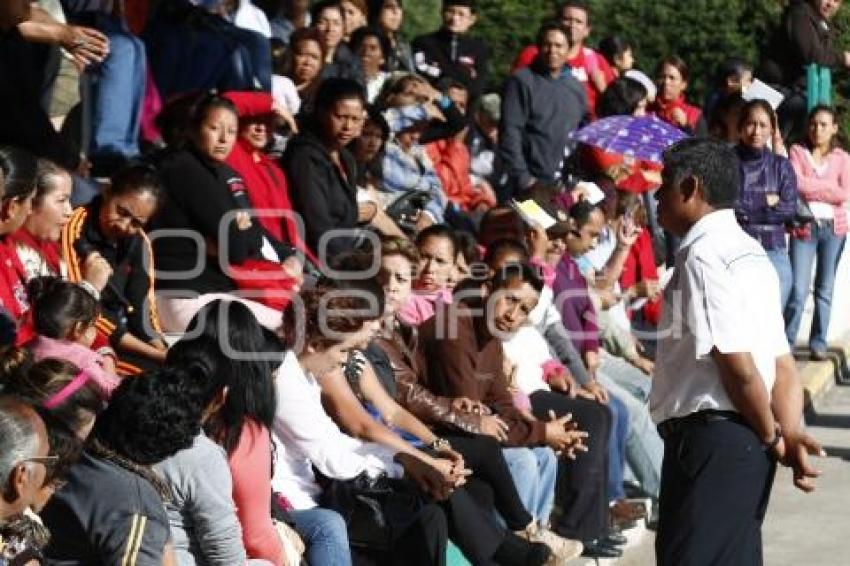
(641, 137)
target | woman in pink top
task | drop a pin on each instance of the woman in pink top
(243, 423)
(823, 181)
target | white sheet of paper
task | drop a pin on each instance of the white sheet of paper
(759, 90)
(594, 193)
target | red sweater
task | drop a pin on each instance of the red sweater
(664, 110)
(640, 264)
(264, 180)
(451, 161)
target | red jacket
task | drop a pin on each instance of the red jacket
(664, 110)
(265, 182)
(639, 265)
(13, 293)
(451, 161)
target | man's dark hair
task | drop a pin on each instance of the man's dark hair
(714, 163)
(546, 27)
(319, 7)
(513, 271)
(471, 4)
(580, 4)
(581, 211)
(505, 245)
(154, 415)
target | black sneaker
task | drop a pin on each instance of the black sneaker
(599, 549)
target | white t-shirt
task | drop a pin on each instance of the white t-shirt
(724, 294)
(305, 436)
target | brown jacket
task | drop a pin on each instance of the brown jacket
(459, 359)
(426, 406)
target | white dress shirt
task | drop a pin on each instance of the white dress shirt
(724, 294)
(305, 436)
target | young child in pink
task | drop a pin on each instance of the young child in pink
(63, 316)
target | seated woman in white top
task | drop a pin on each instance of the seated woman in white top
(325, 328)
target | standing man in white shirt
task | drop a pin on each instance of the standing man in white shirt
(725, 393)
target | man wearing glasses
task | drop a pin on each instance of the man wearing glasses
(23, 456)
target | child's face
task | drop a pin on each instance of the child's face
(458, 19)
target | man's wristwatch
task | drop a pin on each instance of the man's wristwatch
(439, 444)
(777, 436)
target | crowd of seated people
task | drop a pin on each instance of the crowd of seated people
(278, 270)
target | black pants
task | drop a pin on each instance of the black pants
(582, 483)
(483, 455)
(423, 542)
(715, 485)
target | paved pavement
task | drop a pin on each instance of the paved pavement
(814, 529)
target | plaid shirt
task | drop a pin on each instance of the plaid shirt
(405, 171)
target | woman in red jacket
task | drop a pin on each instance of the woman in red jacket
(17, 181)
(671, 75)
(265, 181)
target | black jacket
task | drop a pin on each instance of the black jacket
(803, 37)
(538, 114)
(125, 304)
(320, 193)
(199, 192)
(444, 54)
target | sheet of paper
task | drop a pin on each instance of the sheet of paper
(594, 193)
(533, 214)
(759, 90)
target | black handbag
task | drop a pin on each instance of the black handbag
(803, 214)
(376, 511)
(406, 209)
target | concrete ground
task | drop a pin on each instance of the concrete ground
(800, 529)
(814, 529)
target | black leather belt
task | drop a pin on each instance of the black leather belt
(671, 427)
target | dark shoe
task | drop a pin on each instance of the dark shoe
(614, 537)
(819, 355)
(598, 549)
(516, 551)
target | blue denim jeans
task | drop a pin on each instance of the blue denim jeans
(825, 247)
(325, 535)
(534, 471)
(118, 91)
(782, 264)
(644, 448)
(617, 448)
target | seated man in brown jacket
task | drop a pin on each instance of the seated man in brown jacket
(464, 358)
